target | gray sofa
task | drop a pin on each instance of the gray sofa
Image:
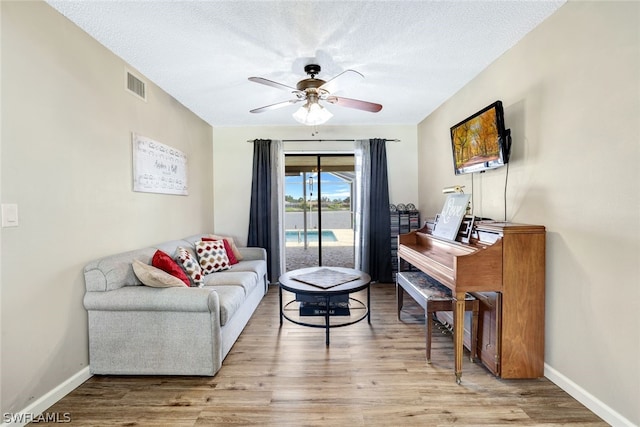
(140, 330)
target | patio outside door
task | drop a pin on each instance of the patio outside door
(318, 210)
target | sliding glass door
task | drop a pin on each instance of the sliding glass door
(318, 210)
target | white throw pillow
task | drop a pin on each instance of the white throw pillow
(152, 276)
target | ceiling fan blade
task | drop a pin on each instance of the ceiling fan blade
(354, 103)
(342, 80)
(275, 106)
(272, 84)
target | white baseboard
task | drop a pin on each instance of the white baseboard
(587, 399)
(39, 406)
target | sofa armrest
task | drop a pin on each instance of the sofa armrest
(144, 298)
(253, 253)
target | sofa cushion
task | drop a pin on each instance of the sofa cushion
(246, 280)
(231, 299)
(212, 256)
(259, 267)
(164, 262)
(190, 265)
(155, 277)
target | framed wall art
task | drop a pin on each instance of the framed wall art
(453, 211)
(158, 168)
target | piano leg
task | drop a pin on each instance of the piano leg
(458, 333)
(399, 298)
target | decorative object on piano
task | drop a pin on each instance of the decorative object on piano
(457, 189)
(449, 220)
(466, 228)
(430, 224)
(481, 142)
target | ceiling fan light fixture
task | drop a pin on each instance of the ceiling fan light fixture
(312, 114)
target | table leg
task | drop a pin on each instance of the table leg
(326, 320)
(369, 304)
(280, 291)
(399, 299)
(458, 333)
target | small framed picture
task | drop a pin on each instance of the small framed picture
(466, 228)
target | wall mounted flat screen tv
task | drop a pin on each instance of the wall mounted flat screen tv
(481, 142)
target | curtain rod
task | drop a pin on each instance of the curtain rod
(324, 140)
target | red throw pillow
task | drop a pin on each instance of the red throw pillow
(227, 247)
(230, 254)
(164, 262)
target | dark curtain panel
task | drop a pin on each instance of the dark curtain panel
(260, 212)
(379, 217)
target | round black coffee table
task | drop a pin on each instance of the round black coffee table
(323, 283)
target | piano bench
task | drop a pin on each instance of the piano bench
(433, 296)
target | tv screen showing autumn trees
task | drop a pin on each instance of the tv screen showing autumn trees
(476, 140)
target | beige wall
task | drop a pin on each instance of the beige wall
(571, 92)
(233, 156)
(67, 164)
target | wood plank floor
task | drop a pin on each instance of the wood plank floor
(371, 375)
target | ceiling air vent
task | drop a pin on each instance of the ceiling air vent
(136, 86)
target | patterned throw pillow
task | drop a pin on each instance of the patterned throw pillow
(190, 266)
(227, 247)
(164, 262)
(212, 256)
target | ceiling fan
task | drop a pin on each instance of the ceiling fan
(313, 91)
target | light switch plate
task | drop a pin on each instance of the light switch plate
(9, 215)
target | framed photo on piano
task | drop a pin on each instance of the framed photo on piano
(466, 228)
(449, 220)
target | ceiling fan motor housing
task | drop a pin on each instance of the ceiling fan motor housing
(309, 84)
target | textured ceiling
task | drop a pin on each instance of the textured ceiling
(414, 54)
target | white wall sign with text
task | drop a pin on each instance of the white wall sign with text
(451, 216)
(158, 168)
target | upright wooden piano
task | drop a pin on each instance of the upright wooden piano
(503, 265)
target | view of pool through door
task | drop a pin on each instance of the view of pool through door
(318, 211)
